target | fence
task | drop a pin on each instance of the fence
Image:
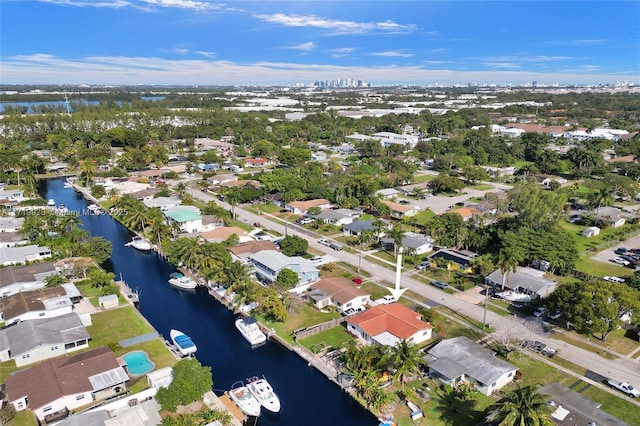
(301, 333)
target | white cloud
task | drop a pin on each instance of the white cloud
(185, 4)
(502, 65)
(116, 4)
(209, 55)
(336, 26)
(181, 51)
(392, 54)
(306, 47)
(121, 70)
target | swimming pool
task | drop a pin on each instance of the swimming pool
(138, 363)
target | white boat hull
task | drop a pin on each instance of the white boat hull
(263, 392)
(245, 400)
(183, 283)
(182, 343)
(251, 332)
(139, 244)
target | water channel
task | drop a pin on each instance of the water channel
(308, 397)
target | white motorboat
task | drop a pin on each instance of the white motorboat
(263, 392)
(181, 281)
(245, 400)
(93, 209)
(51, 202)
(139, 243)
(512, 296)
(250, 330)
(67, 185)
(183, 343)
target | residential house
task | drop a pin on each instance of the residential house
(340, 292)
(387, 193)
(206, 144)
(524, 280)
(59, 385)
(255, 162)
(466, 212)
(207, 167)
(337, 217)
(269, 263)
(275, 198)
(12, 239)
(573, 408)
(40, 303)
(12, 196)
(400, 211)
(461, 359)
(163, 203)
(56, 167)
(301, 207)
(356, 227)
(412, 243)
(14, 279)
(23, 254)
(28, 342)
(11, 223)
(413, 189)
(218, 180)
(244, 251)
(612, 216)
(188, 218)
(145, 195)
(241, 183)
(389, 324)
(459, 260)
(223, 233)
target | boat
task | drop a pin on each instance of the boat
(51, 202)
(67, 185)
(178, 280)
(263, 392)
(512, 296)
(182, 343)
(250, 330)
(245, 400)
(93, 209)
(139, 243)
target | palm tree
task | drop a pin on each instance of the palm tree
(509, 258)
(87, 169)
(523, 406)
(365, 236)
(397, 234)
(210, 416)
(406, 359)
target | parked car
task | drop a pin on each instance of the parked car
(620, 261)
(539, 311)
(620, 250)
(613, 279)
(423, 265)
(440, 284)
(624, 387)
(324, 242)
(316, 259)
(404, 202)
(336, 246)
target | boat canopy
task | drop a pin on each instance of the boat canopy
(184, 341)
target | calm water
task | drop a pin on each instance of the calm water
(308, 397)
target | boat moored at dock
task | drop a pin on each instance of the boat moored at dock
(183, 343)
(263, 392)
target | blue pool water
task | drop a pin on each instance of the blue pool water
(138, 363)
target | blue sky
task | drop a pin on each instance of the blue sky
(202, 42)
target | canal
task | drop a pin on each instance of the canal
(308, 397)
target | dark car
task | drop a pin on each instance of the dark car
(620, 250)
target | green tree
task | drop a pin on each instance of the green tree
(190, 381)
(287, 278)
(406, 359)
(524, 406)
(98, 248)
(293, 245)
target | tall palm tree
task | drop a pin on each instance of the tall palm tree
(397, 234)
(522, 407)
(406, 359)
(509, 258)
(210, 416)
(364, 237)
(87, 169)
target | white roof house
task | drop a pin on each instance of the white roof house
(524, 280)
(23, 254)
(11, 224)
(15, 279)
(269, 263)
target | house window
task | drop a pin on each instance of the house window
(45, 409)
(510, 374)
(79, 397)
(41, 314)
(54, 348)
(348, 305)
(493, 385)
(20, 404)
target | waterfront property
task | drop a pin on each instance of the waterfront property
(61, 384)
(15, 279)
(137, 363)
(32, 341)
(269, 263)
(339, 292)
(389, 324)
(21, 255)
(462, 360)
(40, 303)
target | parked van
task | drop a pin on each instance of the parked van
(336, 246)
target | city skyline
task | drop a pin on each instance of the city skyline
(197, 42)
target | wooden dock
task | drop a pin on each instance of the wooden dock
(133, 297)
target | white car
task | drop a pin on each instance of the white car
(324, 242)
(613, 279)
(539, 312)
(620, 261)
(316, 259)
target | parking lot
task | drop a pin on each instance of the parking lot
(608, 253)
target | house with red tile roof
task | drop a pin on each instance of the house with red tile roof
(61, 384)
(338, 291)
(389, 324)
(244, 250)
(255, 162)
(466, 212)
(224, 232)
(401, 210)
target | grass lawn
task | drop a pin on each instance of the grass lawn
(334, 338)
(7, 368)
(616, 406)
(304, 315)
(600, 269)
(116, 324)
(618, 340)
(23, 418)
(482, 187)
(423, 178)
(448, 328)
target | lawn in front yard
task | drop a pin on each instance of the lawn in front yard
(333, 338)
(301, 316)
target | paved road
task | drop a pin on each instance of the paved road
(624, 369)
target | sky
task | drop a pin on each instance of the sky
(203, 42)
